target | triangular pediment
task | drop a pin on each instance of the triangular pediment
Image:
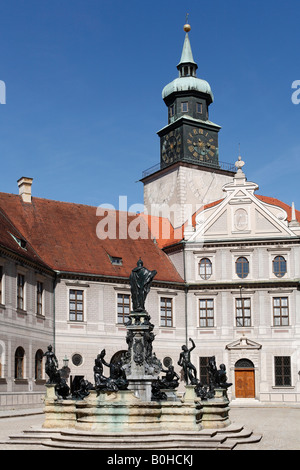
(243, 343)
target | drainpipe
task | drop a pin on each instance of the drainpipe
(54, 312)
(185, 295)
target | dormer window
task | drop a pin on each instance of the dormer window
(20, 241)
(116, 261)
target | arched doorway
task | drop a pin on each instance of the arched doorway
(244, 379)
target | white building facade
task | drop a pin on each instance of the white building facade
(242, 271)
(27, 326)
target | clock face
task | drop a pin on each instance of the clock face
(171, 146)
(201, 145)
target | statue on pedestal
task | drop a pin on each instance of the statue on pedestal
(51, 366)
(140, 280)
(189, 370)
(55, 376)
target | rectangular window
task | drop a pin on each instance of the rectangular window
(206, 312)
(123, 308)
(39, 297)
(20, 291)
(243, 312)
(282, 366)
(280, 311)
(184, 107)
(76, 305)
(199, 108)
(204, 376)
(166, 314)
(172, 110)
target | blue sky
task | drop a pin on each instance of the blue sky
(83, 91)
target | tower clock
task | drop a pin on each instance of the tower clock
(171, 145)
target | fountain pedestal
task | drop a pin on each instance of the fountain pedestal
(141, 365)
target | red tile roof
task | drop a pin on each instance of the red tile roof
(64, 236)
(11, 238)
(276, 202)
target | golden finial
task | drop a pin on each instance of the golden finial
(187, 27)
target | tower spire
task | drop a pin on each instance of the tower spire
(187, 66)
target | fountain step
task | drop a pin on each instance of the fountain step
(72, 439)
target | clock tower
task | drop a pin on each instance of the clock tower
(189, 136)
(189, 172)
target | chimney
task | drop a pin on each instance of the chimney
(25, 188)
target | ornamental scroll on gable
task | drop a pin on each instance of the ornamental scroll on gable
(241, 214)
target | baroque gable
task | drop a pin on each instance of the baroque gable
(241, 215)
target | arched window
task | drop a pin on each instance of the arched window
(244, 364)
(38, 365)
(19, 363)
(205, 268)
(279, 266)
(242, 267)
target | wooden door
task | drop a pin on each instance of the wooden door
(244, 383)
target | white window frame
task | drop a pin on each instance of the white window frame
(2, 281)
(212, 259)
(23, 272)
(170, 295)
(122, 292)
(286, 256)
(84, 290)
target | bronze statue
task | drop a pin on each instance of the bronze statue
(51, 366)
(189, 370)
(170, 380)
(212, 372)
(221, 377)
(217, 379)
(117, 378)
(140, 280)
(62, 389)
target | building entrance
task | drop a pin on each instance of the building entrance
(244, 379)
